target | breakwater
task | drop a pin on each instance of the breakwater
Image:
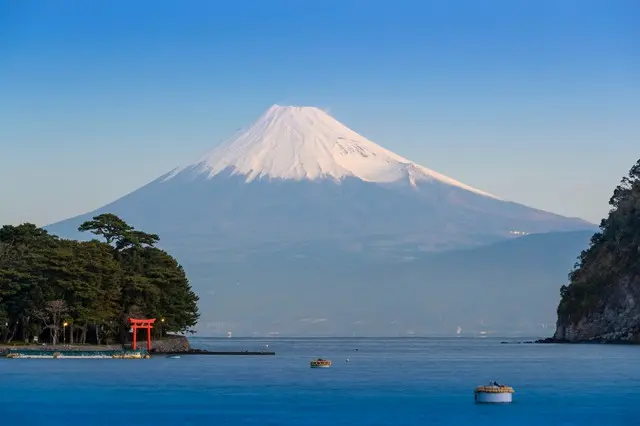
(169, 345)
(107, 352)
(75, 354)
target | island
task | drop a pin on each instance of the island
(601, 303)
(56, 292)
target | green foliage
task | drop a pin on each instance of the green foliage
(116, 231)
(108, 226)
(93, 287)
(613, 255)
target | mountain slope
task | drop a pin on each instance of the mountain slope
(298, 175)
(509, 287)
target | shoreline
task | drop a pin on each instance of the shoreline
(171, 351)
(595, 341)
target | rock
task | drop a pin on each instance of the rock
(617, 319)
(171, 344)
(549, 340)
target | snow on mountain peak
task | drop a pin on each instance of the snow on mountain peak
(306, 143)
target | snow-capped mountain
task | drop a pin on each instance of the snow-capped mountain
(298, 202)
(299, 176)
(306, 143)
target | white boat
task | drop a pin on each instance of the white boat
(494, 394)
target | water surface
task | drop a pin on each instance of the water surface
(391, 382)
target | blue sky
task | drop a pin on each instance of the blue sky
(536, 101)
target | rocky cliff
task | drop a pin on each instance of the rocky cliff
(167, 344)
(602, 301)
(171, 344)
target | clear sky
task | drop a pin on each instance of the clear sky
(536, 101)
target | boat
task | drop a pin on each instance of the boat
(174, 356)
(494, 393)
(320, 363)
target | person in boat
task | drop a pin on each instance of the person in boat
(496, 384)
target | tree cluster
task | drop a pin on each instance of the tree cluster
(84, 292)
(613, 255)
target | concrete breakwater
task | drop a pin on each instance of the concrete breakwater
(171, 345)
(89, 349)
(56, 354)
(116, 354)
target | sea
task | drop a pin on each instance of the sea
(374, 382)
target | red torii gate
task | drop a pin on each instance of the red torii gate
(141, 323)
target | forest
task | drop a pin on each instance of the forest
(83, 292)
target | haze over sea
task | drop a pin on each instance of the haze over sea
(395, 381)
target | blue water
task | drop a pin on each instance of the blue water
(392, 382)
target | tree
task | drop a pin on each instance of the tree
(95, 280)
(137, 239)
(108, 226)
(7, 254)
(23, 234)
(22, 284)
(51, 315)
(177, 304)
(613, 253)
(117, 232)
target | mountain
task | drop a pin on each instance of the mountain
(299, 176)
(506, 288)
(299, 225)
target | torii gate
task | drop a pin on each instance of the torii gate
(141, 323)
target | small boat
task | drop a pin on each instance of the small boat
(320, 363)
(494, 393)
(174, 356)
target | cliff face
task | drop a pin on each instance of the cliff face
(602, 301)
(617, 320)
(171, 344)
